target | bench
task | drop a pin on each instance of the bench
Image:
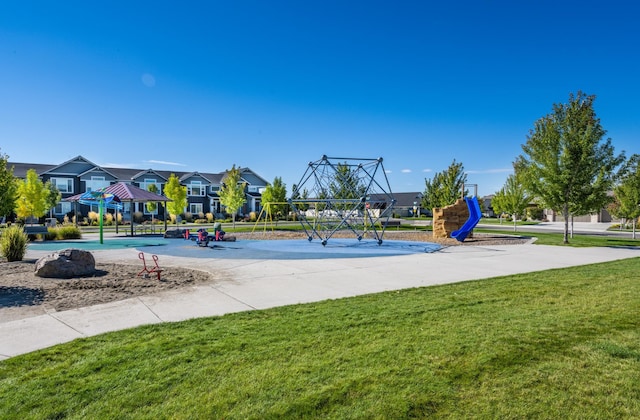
(392, 223)
(422, 223)
(36, 230)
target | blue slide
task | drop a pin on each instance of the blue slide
(474, 217)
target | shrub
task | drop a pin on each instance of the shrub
(108, 219)
(535, 213)
(210, 217)
(253, 216)
(13, 243)
(51, 234)
(93, 217)
(66, 232)
(188, 216)
(138, 217)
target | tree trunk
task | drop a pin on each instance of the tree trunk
(571, 226)
(565, 215)
(515, 225)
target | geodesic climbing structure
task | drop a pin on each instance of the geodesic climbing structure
(343, 194)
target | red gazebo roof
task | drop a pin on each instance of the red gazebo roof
(128, 192)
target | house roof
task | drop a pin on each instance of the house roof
(195, 174)
(403, 199)
(128, 192)
(149, 171)
(122, 174)
(75, 160)
(20, 169)
(98, 169)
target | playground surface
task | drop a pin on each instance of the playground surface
(254, 279)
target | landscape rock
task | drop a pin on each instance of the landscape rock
(174, 233)
(65, 264)
(448, 219)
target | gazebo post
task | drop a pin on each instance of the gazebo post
(164, 215)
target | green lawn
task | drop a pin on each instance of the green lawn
(578, 240)
(554, 344)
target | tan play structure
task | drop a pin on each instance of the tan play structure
(457, 220)
(450, 218)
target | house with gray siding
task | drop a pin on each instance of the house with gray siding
(79, 175)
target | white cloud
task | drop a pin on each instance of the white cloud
(163, 162)
(388, 171)
(427, 170)
(119, 165)
(406, 171)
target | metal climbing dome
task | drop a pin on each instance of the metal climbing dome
(343, 194)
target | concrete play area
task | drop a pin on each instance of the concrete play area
(253, 279)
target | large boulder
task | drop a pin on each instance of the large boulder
(448, 219)
(66, 264)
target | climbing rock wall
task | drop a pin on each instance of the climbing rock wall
(450, 218)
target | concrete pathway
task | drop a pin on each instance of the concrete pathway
(274, 279)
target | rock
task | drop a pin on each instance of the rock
(65, 264)
(174, 233)
(450, 218)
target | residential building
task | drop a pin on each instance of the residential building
(79, 175)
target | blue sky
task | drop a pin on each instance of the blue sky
(273, 85)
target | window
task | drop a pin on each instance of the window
(195, 208)
(150, 181)
(195, 188)
(96, 183)
(62, 208)
(64, 185)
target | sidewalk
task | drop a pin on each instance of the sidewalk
(265, 282)
(552, 226)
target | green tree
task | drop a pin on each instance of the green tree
(8, 187)
(152, 206)
(445, 187)
(567, 165)
(177, 194)
(296, 194)
(346, 185)
(54, 196)
(273, 196)
(627, 192)
(32, 197)
(511, 199)
(231, 192)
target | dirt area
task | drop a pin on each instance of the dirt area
(23, 293)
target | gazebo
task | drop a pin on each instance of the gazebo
(127, 193)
